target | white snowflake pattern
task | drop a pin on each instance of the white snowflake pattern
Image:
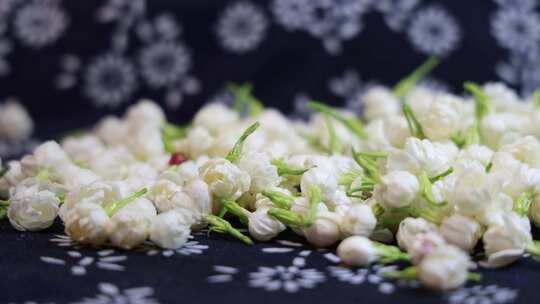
(292, 14)
(491, 294)
(110, 80)
(396, 12)
(241, 27)
(433, 31)
(516, 29)
(371, 275)
(521, 4)
(223, 274)
(189, 248)
(40, 23)
(79, 263)
(288, 278)
(110, 294)
(164, 63)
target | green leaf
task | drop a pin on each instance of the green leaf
(406, 84)
(236, 151)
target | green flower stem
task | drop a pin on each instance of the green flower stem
(170, 133)
(3, 213)
(4, 203)
(352, 124)
(285, 169)
(482, 104)
(281, 200)
(378, 210)
(488, 167)
(347, 178)
(119, 204)
(236, 151)
(390, 254)
(406, 84)
(415, 128)
(288, 218)
(244, 98)
(335, 144)
(440, 176)
(534, 249)
(369, 166)
(407, 274)
(523, 202)
(314, 201)
(220, 225)
(426, 190)
(474, 276)
(472, 137)
(236, 209)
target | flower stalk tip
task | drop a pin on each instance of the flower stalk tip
(236, 151)
(406, 84)
(353, 124)
(281, 200)
(119, 204)
(220, 225)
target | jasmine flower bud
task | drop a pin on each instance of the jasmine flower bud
(358, 220)
(224, 178)
(444, 269)
(360, 251)
(409, 228)
(130, 226)
(214, 116)
(12, 176)
(145, 113)
(15, 123)
(166, 196)
(82, 148)
(397, 189)
(31, 209)
(262, 226)
(112, 131)
(514, 233)
(324, 180)
(379, 102)
(461, 231)
(424, 244)
(170, 229)
(421, 155)
(263, 174)
(325, 230)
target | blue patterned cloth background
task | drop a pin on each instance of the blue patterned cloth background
(71, 62)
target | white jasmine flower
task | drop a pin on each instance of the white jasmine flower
(358, 220)
(11, 178)
(140, 175)
(31, 209)
(441, 118)
(514, 233)
(198, 141)
(444, 269)
(325, 231)
(263, 227)
(166, 196)
(503, 98)
(494, 126)
(181, 174)
(74, 176)
(357, 251)
(224, 178)
(170, 229)
(214, 117)
(424, 244)
(146, 143)
(263, 174)
(379, 102)
(112, 164)
(525, 149)
(145, 113)
(420, 155)
(409, 228)
(82, 148)
(200, 195)
(319, 178)
(461, 231)
(15, 123)
(396, 130)
(479, 153)
(112, 131)
(340, 201)
(48, 158)
(130, 226)
(87, 223)
(396, 189)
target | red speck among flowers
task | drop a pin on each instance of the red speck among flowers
(177, 158)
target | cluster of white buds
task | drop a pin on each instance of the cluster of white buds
(438, 173)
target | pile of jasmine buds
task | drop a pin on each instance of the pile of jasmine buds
(422, 177)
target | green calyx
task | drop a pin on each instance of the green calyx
(431, 214)
(236, 151)
(523, 202)
(285, 169)
(233, 207)
(426, 187)
(471, 137)
(368, 164)
(243, 98)
(288, 218)
(389, 254)
(220, 225)
(354, 125)
(119, 204)
(170, 133)
(281, 200)
(314, 200)
(415, 128)
(406, 84)
(482, 104)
